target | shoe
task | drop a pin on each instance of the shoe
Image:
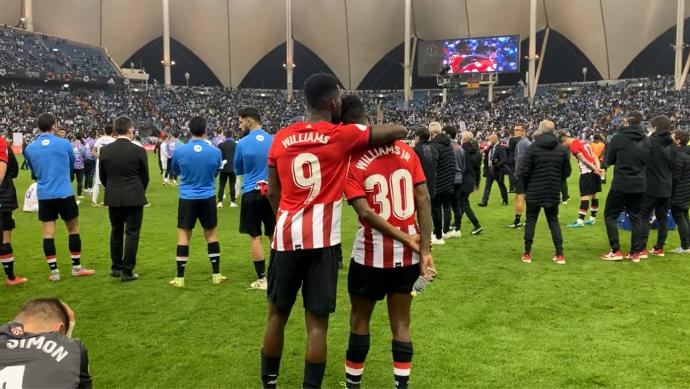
(54, 276)
(644, 254)
(177, 282)
(217, 279)
(82, 272)
(130, 277)
(80, 197)
(95, 205)
(116, 274)
(680, 250)
(165, 183)
(515, 226)
(452, 234)
(565, 201)
(233, 205)
(503, 204)
(435, 241)
(658, 252)
(526, 258)
(78, 202)
(576, 224)
(477, 231)
(261, 283)
(591, 222)
(220, 204)
(482, 205)
(612, 256)
(559, 259)
(16, 281)
(634, 257)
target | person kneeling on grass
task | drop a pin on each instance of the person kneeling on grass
(544, 168)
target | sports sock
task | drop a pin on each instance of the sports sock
(270, 367)
(357, 351)
(584, 205)
(260, 268)
(313, 375)
(517, 219)
(182, 256)
(7, 259)
(402, 363)
(214, 256)
(595, 207)
(49, 252)
(75, 249)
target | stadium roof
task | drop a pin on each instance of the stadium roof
(350, 36)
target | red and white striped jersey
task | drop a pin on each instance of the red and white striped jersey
(311, 160)
(386, 177)
(580, 146)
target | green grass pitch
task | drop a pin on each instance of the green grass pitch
(488, 321)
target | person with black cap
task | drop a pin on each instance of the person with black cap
(627, 151)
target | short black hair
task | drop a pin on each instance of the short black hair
(197, 126)
(662, 124)
(598, 137)
(634, 118)
(45, 121)
(228, 133)
(562, 135)
(250, 112)
(318, 87)
(423, 133)
(108, 129)
(682, 136)
(44, 310)
(353, 110)
(451, 131)
(122, 125)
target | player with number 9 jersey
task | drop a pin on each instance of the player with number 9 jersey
(386, 177)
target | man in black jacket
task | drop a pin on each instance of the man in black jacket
(441, 203)
(543, 169)
(227, 174)
(471, 175)
(680, 195)
(494, 170)
(659, 183)
(9, 170)
(124, 171)
(428, 157)
(628, 153)
(510, 157)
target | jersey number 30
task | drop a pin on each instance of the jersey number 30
(12, 377)
(394, 193)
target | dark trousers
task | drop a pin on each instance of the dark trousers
(79, 174)
(125, 222)
(510, 170)
(223, 178)
(160, 164)
(564, 191)
(617, 202)
(551, 213)
(441, 206)
(680, 216)
(466, 209)
(457, 208)
(659, 207)
(498, 179)
(25, 164)
(168, 171)
(89, 172)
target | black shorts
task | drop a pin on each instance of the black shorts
(375, 283)
(315, 271)
(590, 184)
(7, 221)
(66, 208)
(188, 211)
(256, 210)
(520, 186)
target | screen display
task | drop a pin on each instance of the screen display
(499, 54)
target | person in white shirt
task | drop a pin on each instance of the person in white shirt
(163, 155)
(102, 141)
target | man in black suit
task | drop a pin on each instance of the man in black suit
(124, 171)
(494, 170)
(227, 174)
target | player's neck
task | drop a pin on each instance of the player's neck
(316, 116)
(198, 137)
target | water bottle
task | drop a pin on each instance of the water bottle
(422, 281)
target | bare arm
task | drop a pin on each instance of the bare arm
(273, 188)
(367, 214)
(423, 204)
(383, 134)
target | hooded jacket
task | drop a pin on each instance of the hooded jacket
(680, 193)
(445, 171)
(660, 165)
(628, 153)
(428, 157)
(544, 168)
(471, 174)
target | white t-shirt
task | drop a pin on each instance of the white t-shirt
(103, 141)
(31, 199)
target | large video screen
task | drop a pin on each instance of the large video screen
(496, 54)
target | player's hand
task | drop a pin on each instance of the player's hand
(413, 242)
(427, 267)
